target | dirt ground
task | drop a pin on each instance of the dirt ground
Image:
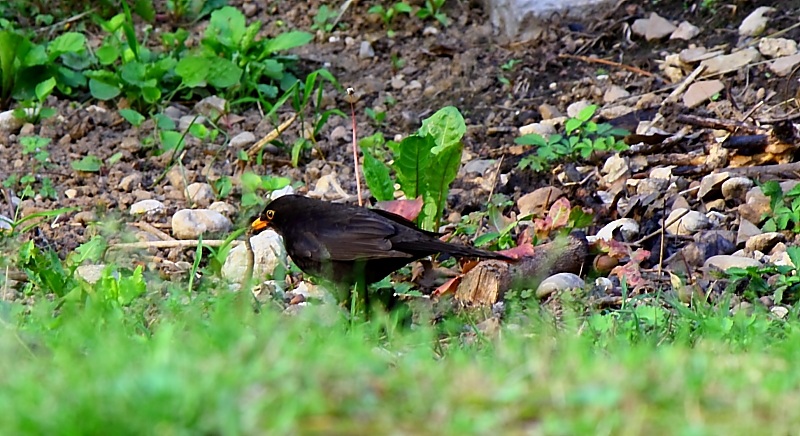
(424, 67)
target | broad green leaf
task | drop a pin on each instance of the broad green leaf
(151, 94)
(286, 41)
(531, 139)
(586, 113)
(437, 184)
(413, 160)
(131, 116)
(226, 26)
(171, 140)
(446, 126)
(130, 287)
(43, 89)
(103, 91)
(134, 73)
(107, 54)
(193, 70)
(92, 250)
(223, 73)
(376, 174)
(9, 42)
(89, 163)
(145, 9)
(70, 42)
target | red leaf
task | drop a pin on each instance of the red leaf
(447, 287)
(408, 209)
(559, 213)
(519, 251)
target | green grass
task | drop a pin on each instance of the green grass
(211, 365)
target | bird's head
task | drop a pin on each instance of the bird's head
(262, 221)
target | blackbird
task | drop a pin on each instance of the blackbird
(343, 243)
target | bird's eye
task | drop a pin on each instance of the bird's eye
(270, 214)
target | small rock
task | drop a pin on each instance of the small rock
(413, 85)
(654, 27)
(779, 311)
(688, 224)
(685, 31)
(211, 107)
(338, 134)
(649, 185)
(575, 108)
(90, 273)
(268, 251)
(743, 307)
(130, 182)
(539, 201)
(559, 282)
(755, 23)
(479, 166)
(243, 140)
(398, 82)
(723, 262)
(672, 68)
(249, 9)
(693, 55)
(85, 217)
(188, 120)
(615, 93)
(785, 65)
(141, 194)
(71, 193)
(628, 228)
(191, 223)
(731, 62)
(712, 183)
(5, 223)
(541, 129)
(746, 231)
(223, 208)
(736, 188)
(614, 168)
(365, 50)
(764, 242)
(777, 47)
(756, 206)
(176, 177)
(309, 291)
(701, 91)
(662, 172)
(349, 41)
(9, 123)
(200, 194)
(131, 145)
(174, 113)
(549, 111)
(429, 31)
(148, 207)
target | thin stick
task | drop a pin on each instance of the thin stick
(350, 92)
(188, 243)
(610, 63)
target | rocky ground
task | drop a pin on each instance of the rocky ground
(684, 176)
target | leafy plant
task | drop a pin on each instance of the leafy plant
(302, 95)
(34, 110)
(231, 56)
(781, 282)
(388, 14)
(424, 164)
(581, 139)
(192, 10)
(24, 65)
(324, 19)
(126, 67)
(785, 207)
(433, 9)
(253, 186)
(34, 146)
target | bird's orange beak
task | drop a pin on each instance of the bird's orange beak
(259, 224)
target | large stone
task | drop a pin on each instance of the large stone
(191, 223)
(268, 253)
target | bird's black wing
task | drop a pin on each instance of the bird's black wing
(360, 235)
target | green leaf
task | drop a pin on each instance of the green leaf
(102, 90)
(9, 44)
(586, 113)
(134, 73)
(286, 41)
(145, 9)
(446, 126)
(43, 89)
(70, 42)
(193, 70)
(226, 26)
(402, 7)
(151, 94)
(223, 73)
(131, 116)
(89, 163)
(107, 54)
(131, 287)
(437, 185)
(413, 160)
(171, 140)
(572, 124)
(91, 250)
(376, 174)
(531, 139)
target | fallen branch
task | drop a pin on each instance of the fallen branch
(186, 243)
